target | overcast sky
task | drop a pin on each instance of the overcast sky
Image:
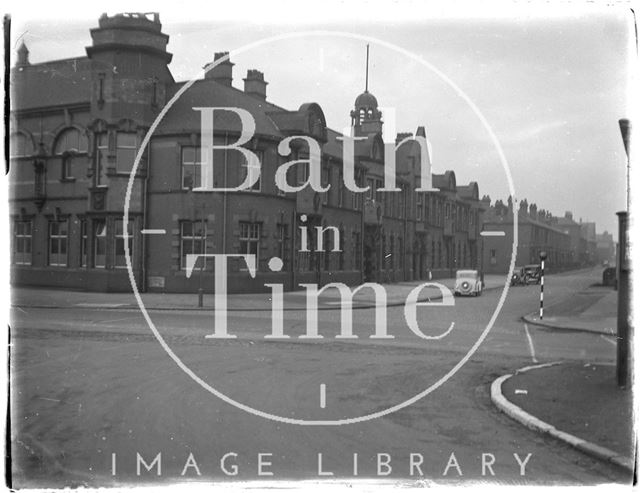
(552, 84)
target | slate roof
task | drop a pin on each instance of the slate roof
(60, 82)
(271, 120)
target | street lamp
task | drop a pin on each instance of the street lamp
(543, 256)
(625, 331)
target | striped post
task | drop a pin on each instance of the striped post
(541, 288)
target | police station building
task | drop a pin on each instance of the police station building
(77, 125)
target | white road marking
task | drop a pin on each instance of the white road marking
(100, 305)
(323, 396)
(608, 340)
(530, 340)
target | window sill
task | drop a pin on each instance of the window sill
(70, 179)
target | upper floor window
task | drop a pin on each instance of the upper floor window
(340, 189)
(244, 171)
(20, 145)
(71, 140)
(69, 143)
(102, 151)
(58, 239)
(191, 163)
(325, 179)
(126, 150)
(22, 236)
(419, 199)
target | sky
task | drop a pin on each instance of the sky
(551, 82)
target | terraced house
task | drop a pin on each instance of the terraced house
(77, 125)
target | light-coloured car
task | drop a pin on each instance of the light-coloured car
(468, 283)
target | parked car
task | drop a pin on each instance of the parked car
(518, 278)
(468, 283)
(532, 273)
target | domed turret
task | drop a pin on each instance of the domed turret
(366, 100)
(365, 117)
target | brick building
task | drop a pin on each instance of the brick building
(537, 231)
(77, 125)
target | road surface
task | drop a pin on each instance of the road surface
(96, 398)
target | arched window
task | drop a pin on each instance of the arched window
(68, 144)
(20, 145)
(71, 140)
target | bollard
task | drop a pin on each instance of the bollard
(543, 255)
(200, 297)
(623, 354)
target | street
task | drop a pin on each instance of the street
(93, 388)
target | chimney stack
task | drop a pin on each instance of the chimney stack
(255, 85)
(223, 72)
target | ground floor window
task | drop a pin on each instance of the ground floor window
(120, 238)
(355, 251)
(100, 243)
(283, 245)
(58, 239)
(83, 242)
(22, 237)
(250, 239)
(193, 236)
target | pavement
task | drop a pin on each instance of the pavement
(28, 297)
(593, 309)
(584, 407)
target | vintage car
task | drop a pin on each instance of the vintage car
(519, 277)
(468, 283)
(532, 273)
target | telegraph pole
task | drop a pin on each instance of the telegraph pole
(543, 256)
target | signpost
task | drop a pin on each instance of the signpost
(543, 256)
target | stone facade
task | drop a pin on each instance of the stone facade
(77, 125)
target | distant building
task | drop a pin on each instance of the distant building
(588, 231)
(578, 243)
(535, 234)
(77, 125)
(605, 248)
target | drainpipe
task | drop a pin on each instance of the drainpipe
(224, 196)
(145, 200)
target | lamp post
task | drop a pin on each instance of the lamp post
(543, 256)
(625, 330)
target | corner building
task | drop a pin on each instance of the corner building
(77, 125)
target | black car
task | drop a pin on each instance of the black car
(532, 273)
